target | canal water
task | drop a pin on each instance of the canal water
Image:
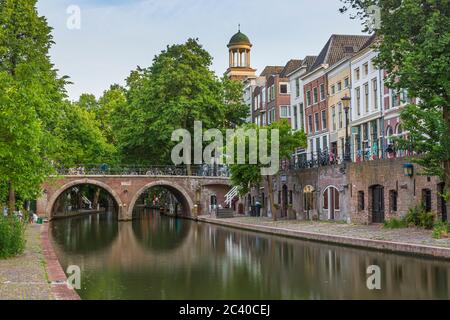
(156, 257)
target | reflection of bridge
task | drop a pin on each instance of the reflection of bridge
(193, 192)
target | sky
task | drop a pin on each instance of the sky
(116, 36)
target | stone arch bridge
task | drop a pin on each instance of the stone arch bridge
(193, 192)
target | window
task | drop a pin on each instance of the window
(366, 69)
(324, 120)
(318, 146)
(366, 96)
(295, 117)
(263, 96)
(316, 121)
(284, 88)
(322, 92)
(375, 93)
(347, 82)
(297, 87)
(316, 95)
(333, 89)
(361, 204)
(285, 112)
(339, 86)
(393, 196)
(308, 98)
(272, 115)
(310, 124)
(395, 98)
(358, 100)
(340, 116)
(333, 117)
(357, 74)
(426, 199)
(302, 116)
(325, 142)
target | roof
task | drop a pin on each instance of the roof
(291, 66)
(308, 62)
(239, 38)
(271, 70)
(339, 47)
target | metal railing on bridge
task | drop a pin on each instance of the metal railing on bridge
(139, 170)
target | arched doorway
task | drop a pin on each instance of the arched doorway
(308, 201)
(377, 203)
(331, 202)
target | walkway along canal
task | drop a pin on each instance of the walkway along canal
(158, 257)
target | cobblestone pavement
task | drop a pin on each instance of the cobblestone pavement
(372, 232)
(25, 277)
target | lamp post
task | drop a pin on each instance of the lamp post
(346, 103)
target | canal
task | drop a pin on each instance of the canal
(156, 257)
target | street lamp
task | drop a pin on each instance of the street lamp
(346, 103)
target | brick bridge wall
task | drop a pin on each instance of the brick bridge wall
(194, 192)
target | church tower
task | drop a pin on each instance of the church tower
(239, 50)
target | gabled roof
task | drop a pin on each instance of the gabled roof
(339, 47)
(308, 62)
(271, 70)
(291, 66)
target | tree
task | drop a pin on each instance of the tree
(82, 141)
(110, 110)
(178, 89)
(30, 97)
(414, 50)
(248, 176)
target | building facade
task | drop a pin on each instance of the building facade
(367, 106)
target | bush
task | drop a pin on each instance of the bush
(426, 220)
(441, 230)
(395, 223)
(12, 237)
(412, 218)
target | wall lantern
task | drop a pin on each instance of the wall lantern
(408, 170)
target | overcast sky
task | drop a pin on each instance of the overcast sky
(118, 35)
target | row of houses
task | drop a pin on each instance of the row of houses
(309, 93)
(350, 169)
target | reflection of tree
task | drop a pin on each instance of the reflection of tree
(159, 233)
(187, 260)
(86, 235)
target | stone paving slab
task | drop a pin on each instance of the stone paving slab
(411, 240)
(25, 277)
(36, 274)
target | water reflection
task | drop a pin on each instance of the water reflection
(86, 234)
(163, 258)
(157, 233)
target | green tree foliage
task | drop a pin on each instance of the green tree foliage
(414, 49)
(30, 96)
(178, 89)
(82, 140)
(248, 176)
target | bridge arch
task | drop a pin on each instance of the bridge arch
(62, 189)
(173, 187)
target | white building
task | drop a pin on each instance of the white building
(298, 120)
(367, 105)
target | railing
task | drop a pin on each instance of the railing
(136, 170)
(327, 158)
(229, 197)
